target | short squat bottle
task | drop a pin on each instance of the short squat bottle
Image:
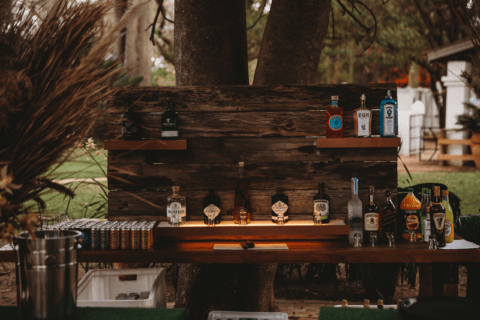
(176, 208)
(279, 207)
(211, 208)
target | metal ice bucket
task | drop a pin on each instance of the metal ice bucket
(47, 267)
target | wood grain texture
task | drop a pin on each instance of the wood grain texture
(290, 176)
(248, 98)
(138, 204)
(145, 145)
(358, 143)
(252, 150)
(325, 251)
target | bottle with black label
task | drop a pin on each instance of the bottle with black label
(170, 125)
(437, 217)
(371, 217)
(279, 207)
(321, 205)
(130, 125)
(211, 208)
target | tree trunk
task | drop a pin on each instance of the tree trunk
(210, 49)
(292, 42)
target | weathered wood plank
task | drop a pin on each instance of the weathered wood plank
(290, 176)
(130, 203)
(145, 145)
(251, 150)
(240, 124)
(358, 143)
(248, 98)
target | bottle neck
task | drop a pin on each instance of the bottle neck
(355, 189)
(371, 200)
(241, 172)
(445, 198)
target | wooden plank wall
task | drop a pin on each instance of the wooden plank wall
(272, 129)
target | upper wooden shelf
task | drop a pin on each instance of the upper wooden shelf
(358, 143)
(145, 145)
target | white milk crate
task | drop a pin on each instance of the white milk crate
(236, 315)
(99, 288)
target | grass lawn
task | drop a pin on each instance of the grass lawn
(82, 166)
(466, 185)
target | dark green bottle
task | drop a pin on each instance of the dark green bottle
(170, 125)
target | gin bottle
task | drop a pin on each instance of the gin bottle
(334, 125)
(321, 206)
(388, 117)
(211, 208)
(279, 207)
(176, 208)
(362, 119)
(170, 125)
(241, 209)
(355, 214)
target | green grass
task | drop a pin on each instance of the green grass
(466, 185)
(82, 166)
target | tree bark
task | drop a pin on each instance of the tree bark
(210, 49)
(292, 42)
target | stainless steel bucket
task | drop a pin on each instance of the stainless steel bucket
(48, 269)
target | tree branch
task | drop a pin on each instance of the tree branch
(166, 55)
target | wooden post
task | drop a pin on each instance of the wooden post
(443, 148)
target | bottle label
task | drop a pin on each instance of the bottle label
(426, 230)
(412, 222)
(211, 211)
(389, 120)
(363, 123)
(279, 208)
(335, 123)
(321, 208)
(371, 221)
(439, 219)
(169, 133)
(448, 228)
(176, 210)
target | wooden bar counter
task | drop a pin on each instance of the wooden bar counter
(332, 251)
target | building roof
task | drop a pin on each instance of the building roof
(458, 50)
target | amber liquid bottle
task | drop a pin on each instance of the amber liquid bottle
(437, 217)
(241, 210)
(334, 117)
(371, 223)
(411, 209)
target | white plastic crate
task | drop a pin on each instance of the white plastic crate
(99, 288)
(236, 315)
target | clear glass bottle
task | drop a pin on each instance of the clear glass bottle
(362, 119)
(371, 221)
(170, 125)
(355, 214)
(279, 207)
(321, 206)
(449, 225)
(388, 117)
(176, 208)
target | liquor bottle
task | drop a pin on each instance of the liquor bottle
(279, 207)
(211, 208)
(355, 214)
(362, 119)
(427, 226)
(449, 225)
(130, 125)
(388, 117)
(423, 216)
(170, 125)
(371, 217)
(437, 217)
(176, 208)
(321, 206)
(241, 210)
(334, 127)
(389, 217)
(411, 210)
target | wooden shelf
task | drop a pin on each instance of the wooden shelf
(145, 145)
(325, 143)
(256, 230)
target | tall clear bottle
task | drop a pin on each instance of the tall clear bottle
(241, 209)
(449, 225)
(176, 208)
(355, 209)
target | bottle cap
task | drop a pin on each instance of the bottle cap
(175, 188)
(445, 192)
(241, 164)
(334, 97)
(410, 190)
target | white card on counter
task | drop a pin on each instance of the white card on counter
(460, 244)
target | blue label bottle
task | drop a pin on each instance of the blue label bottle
(388, 117)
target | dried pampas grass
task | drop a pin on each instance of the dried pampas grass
(54, 76)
